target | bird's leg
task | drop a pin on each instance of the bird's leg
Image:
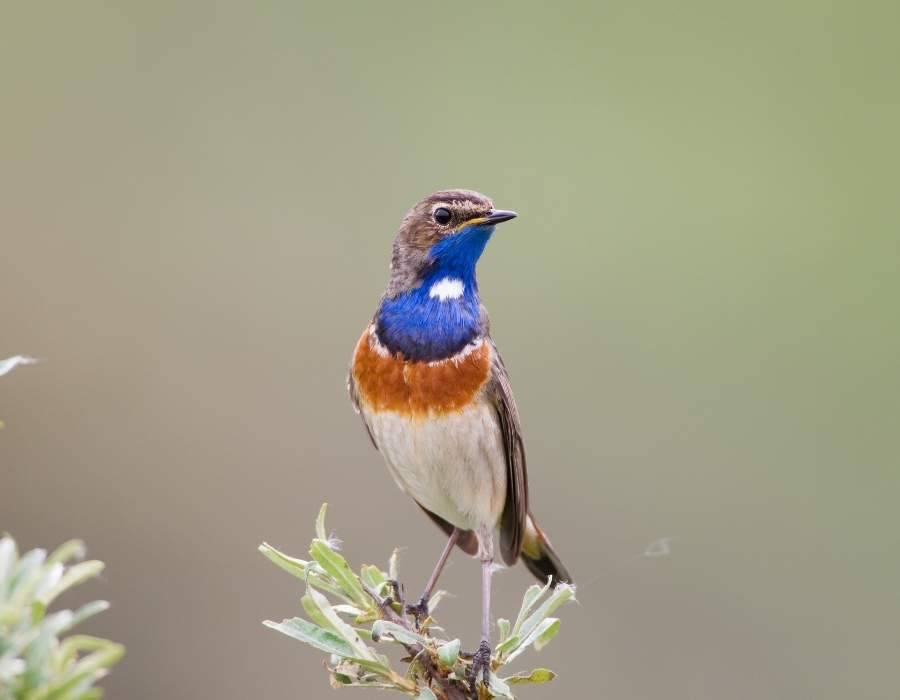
(481, 660)
(420, 610)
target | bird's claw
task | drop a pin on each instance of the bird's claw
(387, 607)
(481, 663)
(419, 611)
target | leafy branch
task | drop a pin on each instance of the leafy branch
(348, 613)
(35, 664)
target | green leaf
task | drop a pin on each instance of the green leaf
(57, 622)
(323, 640)
(532, 595)
(295, 567)
(426, 694)
(364, 633)
(47, 579)
(373, 577)
(52, 574)
(560, 595)
(307, 571)
(344, 672)
(538, 675)
(549, 633)
(448, 653)
(79, 573)
(336, 567)
(34, 662)
(25, 576)
(392, 565)
(314, 635)
(386, 628)
(503, 628)
(312, 611)
(70, 684)
(535, 634)
(327, 617)
(320, 523)
(508, 644)
(73, 549)
(85, 611)
(8, 558)
(77, 644)
(346, 609)
(498, 688)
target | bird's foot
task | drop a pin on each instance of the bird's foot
(481, 664)
(419, 611)
(387, 607)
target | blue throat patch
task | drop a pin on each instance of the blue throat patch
(427, 328)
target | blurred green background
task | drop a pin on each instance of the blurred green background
(698, 307)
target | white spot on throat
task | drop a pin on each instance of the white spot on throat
(447, 288)
(461, 355)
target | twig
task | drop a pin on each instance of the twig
(447, 689)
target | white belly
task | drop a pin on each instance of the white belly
(454, 465)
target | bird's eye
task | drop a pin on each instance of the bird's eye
(442, 216)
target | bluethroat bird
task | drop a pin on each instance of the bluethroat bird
(435, 398)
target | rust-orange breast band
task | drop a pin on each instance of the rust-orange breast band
(387, 382)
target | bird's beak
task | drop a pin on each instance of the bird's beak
(496, 216)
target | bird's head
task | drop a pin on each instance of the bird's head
(444, 233)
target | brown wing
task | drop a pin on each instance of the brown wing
(515, 511)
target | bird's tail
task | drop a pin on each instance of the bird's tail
(539, 555)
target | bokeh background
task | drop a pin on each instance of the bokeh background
(698, 307)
